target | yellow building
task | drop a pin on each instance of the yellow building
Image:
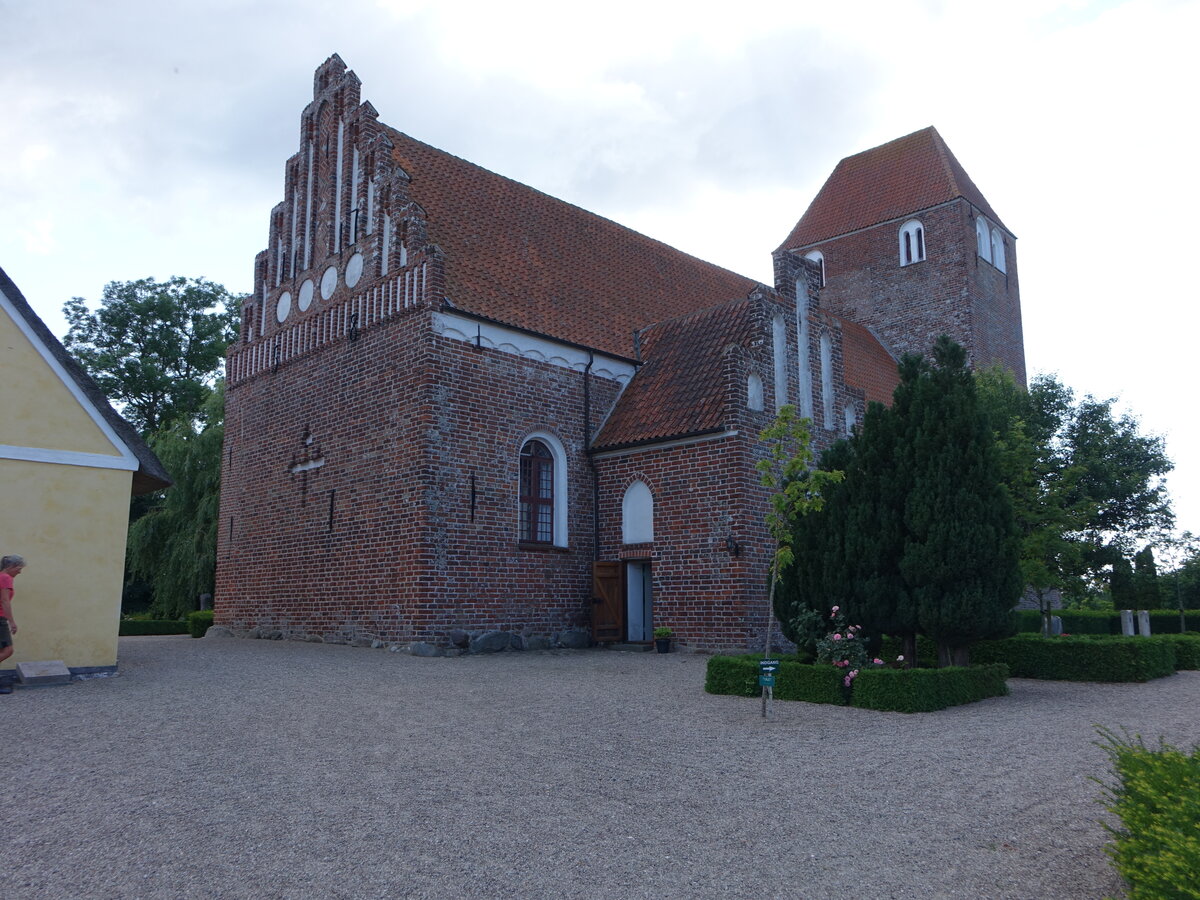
(68, 465)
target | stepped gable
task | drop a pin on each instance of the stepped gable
(680, 390)
(897, 179)
(524, 258)
(867, 364)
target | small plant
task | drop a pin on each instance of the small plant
(199, 622)
(662, 633)
(845, 648)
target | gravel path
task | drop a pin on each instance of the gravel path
(237, 768)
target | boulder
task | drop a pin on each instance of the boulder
(421, 648)
(575, 639)
(218, 631)
(491, 642)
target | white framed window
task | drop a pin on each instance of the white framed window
(803, 362)
(983, 241)
(998, 250)
(912, 242)
(850, 418)
(542, 492)
(819, 258)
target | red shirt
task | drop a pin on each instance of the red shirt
(6, 582)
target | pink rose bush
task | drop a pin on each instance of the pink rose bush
(845, 647)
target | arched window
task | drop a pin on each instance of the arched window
(754, 392)
(998, 250)
(637, 514)
(802, 357)
(912, 242)
(827, 381)
(537, 494)
(819, 258)
(983, 242)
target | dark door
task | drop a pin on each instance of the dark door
(607, 603)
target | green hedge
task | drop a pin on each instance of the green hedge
(199, 622)
(135, 627)
(1079, 658)
(1157, 799)
(738, 675)
(1187, 648)
(1105, 621)
(901, 690)
(925, 690)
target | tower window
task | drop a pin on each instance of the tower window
(983, 241)
(998, 250)
(912, 242)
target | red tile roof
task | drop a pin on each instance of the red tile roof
(524, 258)
(897, 179)
(867, 365)
(681, 388)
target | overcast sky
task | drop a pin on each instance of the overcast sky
(148, 139)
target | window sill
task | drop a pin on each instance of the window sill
(541, 548)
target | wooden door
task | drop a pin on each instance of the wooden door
(607, 602)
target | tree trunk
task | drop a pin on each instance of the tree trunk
(909, 646)
(943, 651)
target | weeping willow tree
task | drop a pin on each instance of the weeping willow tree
(173, 546)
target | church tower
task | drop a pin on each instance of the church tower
(908, 246)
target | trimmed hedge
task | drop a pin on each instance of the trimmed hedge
(1157, 799)
(926, 690)
(199, 622)
(1079, 658)
(1187, 648)
(1106, 621)
(141, 627)
(738, 675)
(899, 690)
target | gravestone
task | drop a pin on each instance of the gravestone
(52, 671)
(1055, 625)
(1127, 622)
(1144, 622)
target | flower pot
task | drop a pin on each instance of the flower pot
(662, 645)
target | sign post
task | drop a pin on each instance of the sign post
(766, 680)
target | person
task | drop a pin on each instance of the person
(10, 568)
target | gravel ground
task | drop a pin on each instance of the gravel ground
(238, 768)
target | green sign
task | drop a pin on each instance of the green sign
(766, 681)
(767, 666)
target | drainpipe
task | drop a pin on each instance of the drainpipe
(587, 448)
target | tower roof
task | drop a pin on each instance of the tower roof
(896, 179)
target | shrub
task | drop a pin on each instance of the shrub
(1187, 648)
(1157, 799)
(199, 622)
(1104, 621)
(140, 627)
(738, 675)
(1079, 658)
(924, 690)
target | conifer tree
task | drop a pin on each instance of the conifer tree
(960, 558)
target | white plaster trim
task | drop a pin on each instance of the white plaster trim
(68, 458)
(547, 350)
(666, 445)
(128, 457)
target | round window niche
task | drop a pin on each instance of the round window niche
(354, 270)
(329, 282)
(304, 301)
(284, 306)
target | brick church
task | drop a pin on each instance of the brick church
(458, 404)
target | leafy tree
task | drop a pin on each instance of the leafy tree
(797, 490)
(155, 348)
(1086, 485)
(173, 546)
(1121, 585)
